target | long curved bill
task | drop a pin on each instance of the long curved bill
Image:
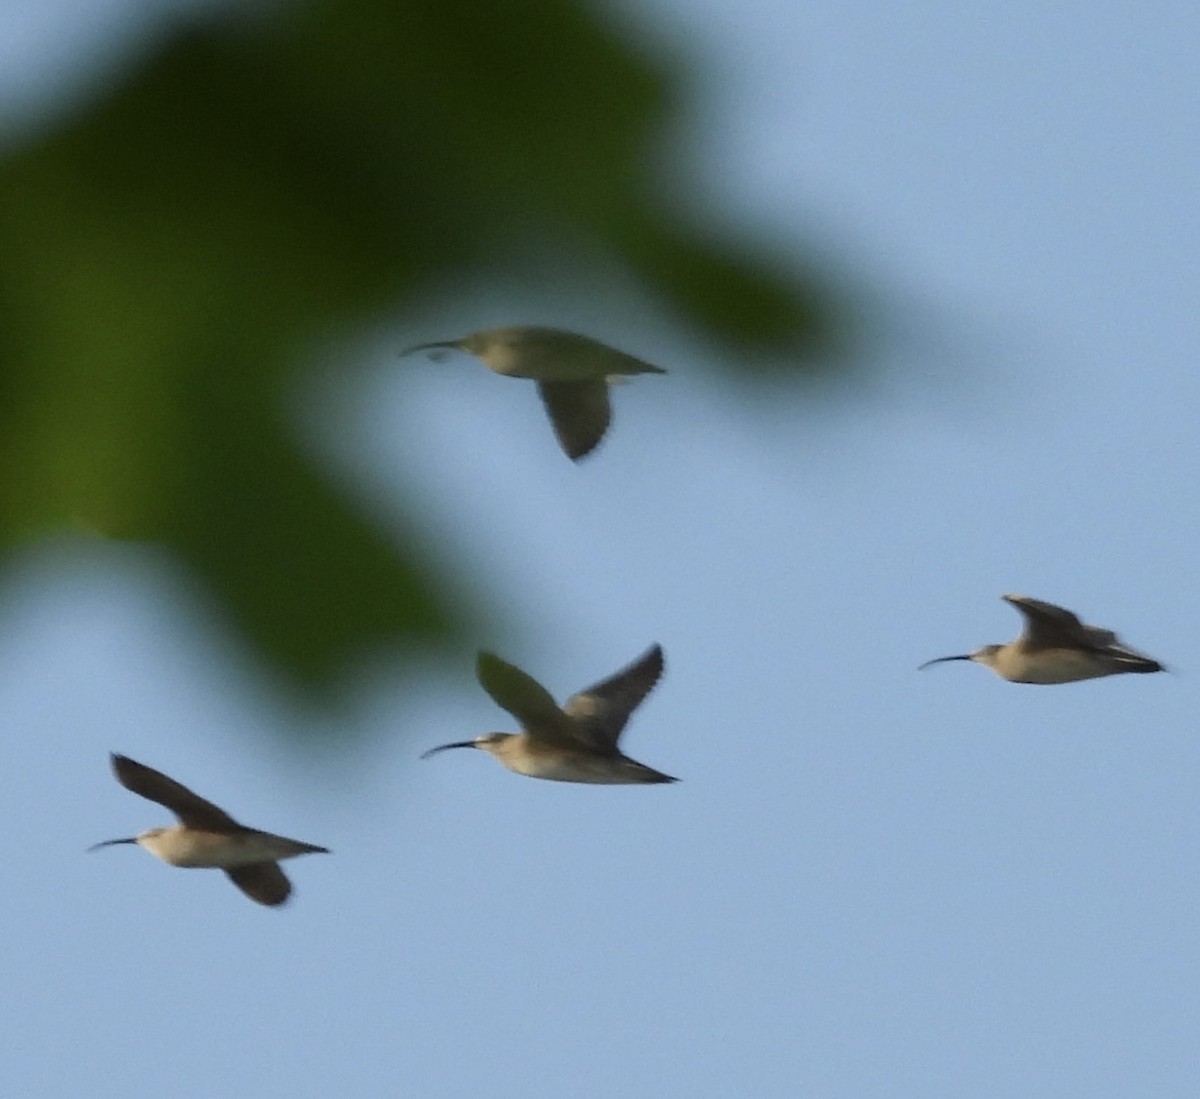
(942, 660)
(447, 747)
(110, 843)
(440, 345)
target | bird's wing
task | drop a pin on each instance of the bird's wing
(264, 882)
(520, 694)
(580, 413)
(191, 809)
(631, 364)
(1102, 638)
(598, 359)
(602, 710)
(1047, 626)
(1108, 642)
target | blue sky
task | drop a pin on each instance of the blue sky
(871, 882)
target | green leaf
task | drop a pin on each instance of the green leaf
(171, 254)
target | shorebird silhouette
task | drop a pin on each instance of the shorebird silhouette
(572, 372)
(209, 837)
(577, 743)
(1056, 647)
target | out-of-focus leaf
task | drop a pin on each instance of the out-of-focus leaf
(743, 299)
(167, 258)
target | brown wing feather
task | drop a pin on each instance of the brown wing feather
(580, 413)
(517, 692)
(190, 808)
(1046, 625)
(264, 882)
(603, 709)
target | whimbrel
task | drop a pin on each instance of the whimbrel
(577, 743)
(1056, 647)
(572, 373)
(208, 837)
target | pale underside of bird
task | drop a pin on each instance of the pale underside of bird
(1056, 647)
(577, 742)
(573, 374)
(207, 837)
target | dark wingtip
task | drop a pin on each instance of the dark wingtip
(121, 763)
(654, 777)
(577, 452)
(1130, 661)
(484, 659)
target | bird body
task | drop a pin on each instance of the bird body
(537, 757)
(1051, 666)
(551, 355)
(577, 743)
(193, 848)
(1056, 647)
(208, 837)
(573, 373)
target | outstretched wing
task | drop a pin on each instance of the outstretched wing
(580, 413)
(1048, 626)
(518, 693)
(1109, 643)
(264, 882)
(191, 809)
(602, 710)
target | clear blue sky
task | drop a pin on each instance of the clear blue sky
(871, 882)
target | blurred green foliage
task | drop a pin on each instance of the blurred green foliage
(169, 254)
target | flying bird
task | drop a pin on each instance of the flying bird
(208, 837)
(577, 743)
(1056, 647)
(572, 372)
